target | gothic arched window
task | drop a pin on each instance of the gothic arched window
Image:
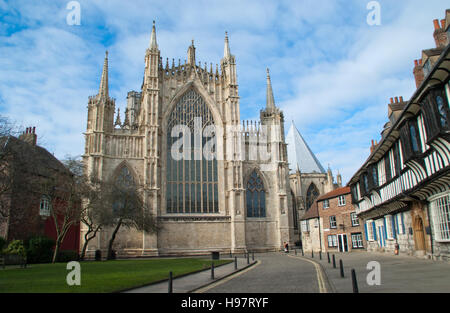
(255, 196)
(191, 180)
(124, 189)
(311, 194)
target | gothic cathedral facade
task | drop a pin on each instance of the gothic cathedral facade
(226, 203)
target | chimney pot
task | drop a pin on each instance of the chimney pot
(436, 24)
(443, 24)
(401, 98)
(416, 62)
(396, 99)
(392, 100)
(420, 61)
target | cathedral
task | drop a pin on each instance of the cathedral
(214, 183)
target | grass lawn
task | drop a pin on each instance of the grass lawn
(104, 276)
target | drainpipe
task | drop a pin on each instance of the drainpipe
(431, 232)
(320, 236)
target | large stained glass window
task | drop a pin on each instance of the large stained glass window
(311, 194)
(192, 179)
(256, 196)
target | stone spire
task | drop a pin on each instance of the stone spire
(270, 102)
(191, 54)
(226, 49)
(118, 122)
(153, 44)
(103, 90)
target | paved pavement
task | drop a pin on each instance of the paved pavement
(193, 281)
(398, 273)
(276, 273)
(291, 273)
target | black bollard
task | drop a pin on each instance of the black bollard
(328, 255)
(354, 282)
(341, 266)
(231, 255)
(248, 258)
(170, 282)
(253, 256)
(312, 254)
(334, 262)
(320, 254)
(235, 262)
(212, 270)
(303, 254)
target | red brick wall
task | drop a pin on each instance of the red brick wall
(343, 222)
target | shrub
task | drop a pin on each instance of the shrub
(67, 256)
(40, 249)
(16, 247)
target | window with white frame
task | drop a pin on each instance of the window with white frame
(440, 212)
(389, 230)
(305, 226)
(357, 241)
(354, 218)
(332, 221)
(369, 228)
(326, 204)
(44, 207)
(341, 200)
(399, 223)
(332, 241)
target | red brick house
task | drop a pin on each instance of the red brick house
(28, 173)
(341, 229)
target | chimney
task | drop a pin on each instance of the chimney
(29, 135)
(372, 146)
(395, 108)
(440, 36)
(418, 72)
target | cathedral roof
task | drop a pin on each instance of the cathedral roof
(300, 155)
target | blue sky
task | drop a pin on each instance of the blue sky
(332, 73)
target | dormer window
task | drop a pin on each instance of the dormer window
(409, 136)
(414, 139)
(443, 111)
(366, 183)
(436, 112)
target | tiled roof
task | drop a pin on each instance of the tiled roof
(313, 212)
(335, 193)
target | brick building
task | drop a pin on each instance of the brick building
(340, 227)
(28, 174)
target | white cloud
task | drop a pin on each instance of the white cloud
(331, 72)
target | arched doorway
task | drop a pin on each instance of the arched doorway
(419, 234)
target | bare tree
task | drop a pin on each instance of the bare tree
(65, 190)
(95, 213)
(127, 208)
